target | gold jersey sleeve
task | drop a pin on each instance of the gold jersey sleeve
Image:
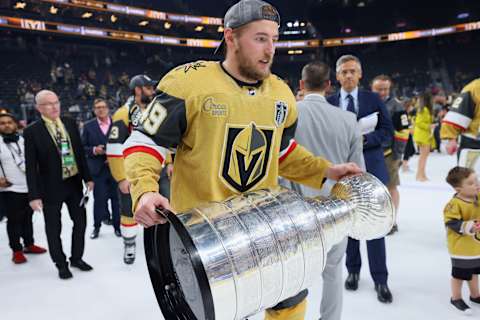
(228, 138)
(464, 114)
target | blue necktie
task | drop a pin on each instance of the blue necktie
(350, 105)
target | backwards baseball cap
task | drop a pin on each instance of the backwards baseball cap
(141, 80)
(246, 11)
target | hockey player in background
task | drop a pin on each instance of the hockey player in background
(393, 152)
(123, 121)
(463, 119)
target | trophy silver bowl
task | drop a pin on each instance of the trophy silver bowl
(232, 259)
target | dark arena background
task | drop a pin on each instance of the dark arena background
(87, 49)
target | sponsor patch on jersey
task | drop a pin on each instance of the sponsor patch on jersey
(191, 66)
(246, 156)
(214, 109)
(281, 112)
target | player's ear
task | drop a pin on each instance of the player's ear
(301, 84)
(228, 36)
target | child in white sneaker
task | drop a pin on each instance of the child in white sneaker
(462, 219)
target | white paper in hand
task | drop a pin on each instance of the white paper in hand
(368, 123)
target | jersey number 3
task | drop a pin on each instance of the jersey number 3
(153, 117)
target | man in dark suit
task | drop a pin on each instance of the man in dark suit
(55, 167)
(94, 138)
(377, 131)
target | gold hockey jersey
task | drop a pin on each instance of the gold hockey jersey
(459, 215)
(123, 120)
(464, 115)
(229, 137)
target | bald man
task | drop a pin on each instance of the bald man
(55, 168)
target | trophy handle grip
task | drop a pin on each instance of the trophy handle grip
(164, 213)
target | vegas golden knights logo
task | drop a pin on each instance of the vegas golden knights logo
(246, 156)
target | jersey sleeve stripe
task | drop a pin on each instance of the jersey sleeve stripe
(114, 150)
(398, 138)
(453, 125)
(285, 152)
(145, 149)
(139, 142)
(457, 120)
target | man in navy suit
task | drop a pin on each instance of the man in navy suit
(94, 137)
(377, 131)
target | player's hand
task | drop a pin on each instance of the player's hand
(169, 171)
(36, 205)
(124, 186)
(90, 185)
(452, 146)
(146, 214)
(337, 172)
(99, 150)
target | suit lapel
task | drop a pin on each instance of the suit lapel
(335, 99)
(361, 100)
(99, 130)
(46, 135)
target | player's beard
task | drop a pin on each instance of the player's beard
(145, 99)
(247, 67)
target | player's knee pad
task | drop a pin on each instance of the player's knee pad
(293, 308)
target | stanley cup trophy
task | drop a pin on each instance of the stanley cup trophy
(232, 259)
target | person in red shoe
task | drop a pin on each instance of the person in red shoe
(13, 185)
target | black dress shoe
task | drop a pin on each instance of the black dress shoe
(95, 233)
(107, 221)
(352, 281)
(80, 264)
(64, 273)
(383, 293)
(118, 233)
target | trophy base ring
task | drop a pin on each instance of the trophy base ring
(165, 246)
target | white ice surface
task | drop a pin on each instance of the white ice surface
(417, 259)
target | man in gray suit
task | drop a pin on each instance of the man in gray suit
(334, 134)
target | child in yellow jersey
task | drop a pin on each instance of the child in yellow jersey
(462, 219)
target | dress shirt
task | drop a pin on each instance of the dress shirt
(344, 99)
(104, 125)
